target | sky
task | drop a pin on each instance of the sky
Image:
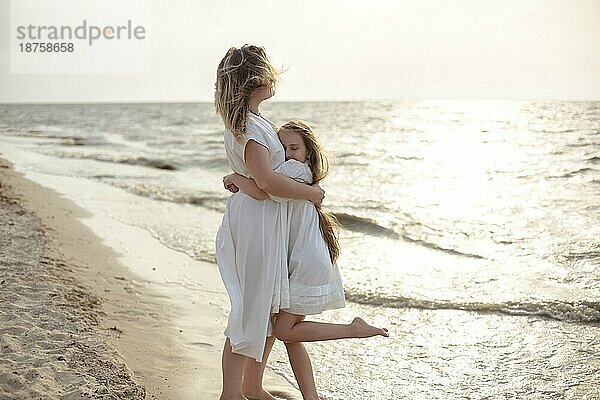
(341, 50)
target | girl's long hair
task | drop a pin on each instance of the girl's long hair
(319, 166)
(240, 72)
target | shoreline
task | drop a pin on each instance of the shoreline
(165, 347)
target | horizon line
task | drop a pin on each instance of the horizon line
(416, 99)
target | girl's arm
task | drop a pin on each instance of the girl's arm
(246, 185)
(258, 162)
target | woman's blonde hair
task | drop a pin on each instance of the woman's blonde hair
(319, 166)
(240, 72)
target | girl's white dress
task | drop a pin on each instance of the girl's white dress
(251, 249)
(315, 284)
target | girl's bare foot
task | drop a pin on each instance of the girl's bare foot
(363, 330)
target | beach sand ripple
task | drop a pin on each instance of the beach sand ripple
(49, 343)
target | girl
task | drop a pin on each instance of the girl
(314, 280)
(250, 247)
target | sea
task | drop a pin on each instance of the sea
(470, 229)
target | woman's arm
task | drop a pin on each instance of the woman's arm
(246, 185)
(258, 162)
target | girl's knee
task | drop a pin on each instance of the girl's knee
(284, 325)
(281, 333)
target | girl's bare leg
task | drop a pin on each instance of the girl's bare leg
(253, 375)
(232, 365)
(289, 329)
(300, 362)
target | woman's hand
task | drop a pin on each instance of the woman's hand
(318, 196)
(228, 183)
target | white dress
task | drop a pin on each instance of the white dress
(251, 249)
(315, 284)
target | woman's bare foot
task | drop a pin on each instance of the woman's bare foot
(258, 396)
(363, 330)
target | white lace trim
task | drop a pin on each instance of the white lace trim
(314, 300)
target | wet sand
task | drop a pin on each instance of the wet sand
(77, 322)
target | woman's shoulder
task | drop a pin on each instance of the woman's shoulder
(260, 131)
(256, 124)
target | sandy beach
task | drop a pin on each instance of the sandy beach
(77, 322)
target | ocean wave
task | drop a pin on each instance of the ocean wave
(568, 311)
(584, 144)
(370, 227)
(60, 138)
(362, 155)
(155, 192)
(437, 247)
(23, 133)
(100, 176)
(594, 160)
(574, 173)
(73, 141)
(121, 159)
(64, 139)
(364, 225)
(549, 130)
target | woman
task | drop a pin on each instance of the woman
(250, 243)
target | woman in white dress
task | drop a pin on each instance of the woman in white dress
(314, 280)
(250, 243)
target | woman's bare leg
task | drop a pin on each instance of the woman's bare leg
(252, 387)
(302, 367)
(232, 365)
(289, 329)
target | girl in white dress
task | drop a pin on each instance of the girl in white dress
(251, 250)
(314, 280)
